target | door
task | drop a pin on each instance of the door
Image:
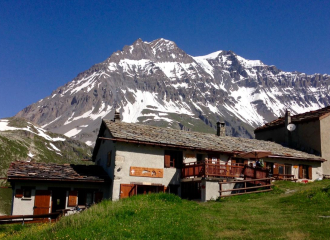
(58, 199)
(42, 202)
(127, 190)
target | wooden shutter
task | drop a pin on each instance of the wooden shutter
(73, 197)
(19, 193)
(310, 172)
(167, 160)
(275, 168)
(300, 171)
(98, 197)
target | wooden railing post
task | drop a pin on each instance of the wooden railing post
(220, 186)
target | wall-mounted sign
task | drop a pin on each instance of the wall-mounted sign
(146, 172)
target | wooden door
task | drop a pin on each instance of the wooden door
(42, 202)
(127, 190)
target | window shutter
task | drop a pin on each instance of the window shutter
(275, 170)
(167, 160)
(73, 196)
(98, 197)
(300, 171)
(19, 193)
(310, 172)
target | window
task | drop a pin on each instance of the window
(199, 157)
(305, 171)
(85, 197)
(240, 160)
(25, 192)
(173, 159)
(283, 169)
(109, 159)
(287, 169)
(214, 158)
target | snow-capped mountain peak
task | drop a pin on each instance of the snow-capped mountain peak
(158, 83)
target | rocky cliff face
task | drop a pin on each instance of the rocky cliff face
(158, 83)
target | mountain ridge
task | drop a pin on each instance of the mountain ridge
(158, 83)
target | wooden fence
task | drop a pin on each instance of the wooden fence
(246, 187)
(49, 217)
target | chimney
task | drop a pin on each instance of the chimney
(221, 129)
(287, 119)
(117, 117)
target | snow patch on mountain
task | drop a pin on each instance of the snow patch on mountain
(131, 112)
(40, 132)
(72, 132)
(249, 63)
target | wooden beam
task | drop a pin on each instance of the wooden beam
(267, 190)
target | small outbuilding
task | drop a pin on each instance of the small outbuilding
(41, 188)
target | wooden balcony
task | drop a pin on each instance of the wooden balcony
(211, 169)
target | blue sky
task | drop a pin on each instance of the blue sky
(45, 44)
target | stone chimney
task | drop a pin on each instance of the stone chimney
(117, 117)
(287, 117)
(221, 129)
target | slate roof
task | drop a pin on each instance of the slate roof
(56, 172)
(303, 117)
(138, 133)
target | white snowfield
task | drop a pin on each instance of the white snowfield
(40, 132)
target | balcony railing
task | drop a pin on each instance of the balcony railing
(208, 168)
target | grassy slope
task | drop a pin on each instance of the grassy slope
(280, 214)
(15, 145)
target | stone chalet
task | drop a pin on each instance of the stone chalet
(137, 159)
(41, 188)
(311, 133)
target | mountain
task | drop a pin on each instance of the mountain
(21, 140)
(158, 83)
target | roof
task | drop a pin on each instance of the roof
(303, 117)
(145, 134)
(20, 170)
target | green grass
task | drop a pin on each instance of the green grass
(291, 211)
